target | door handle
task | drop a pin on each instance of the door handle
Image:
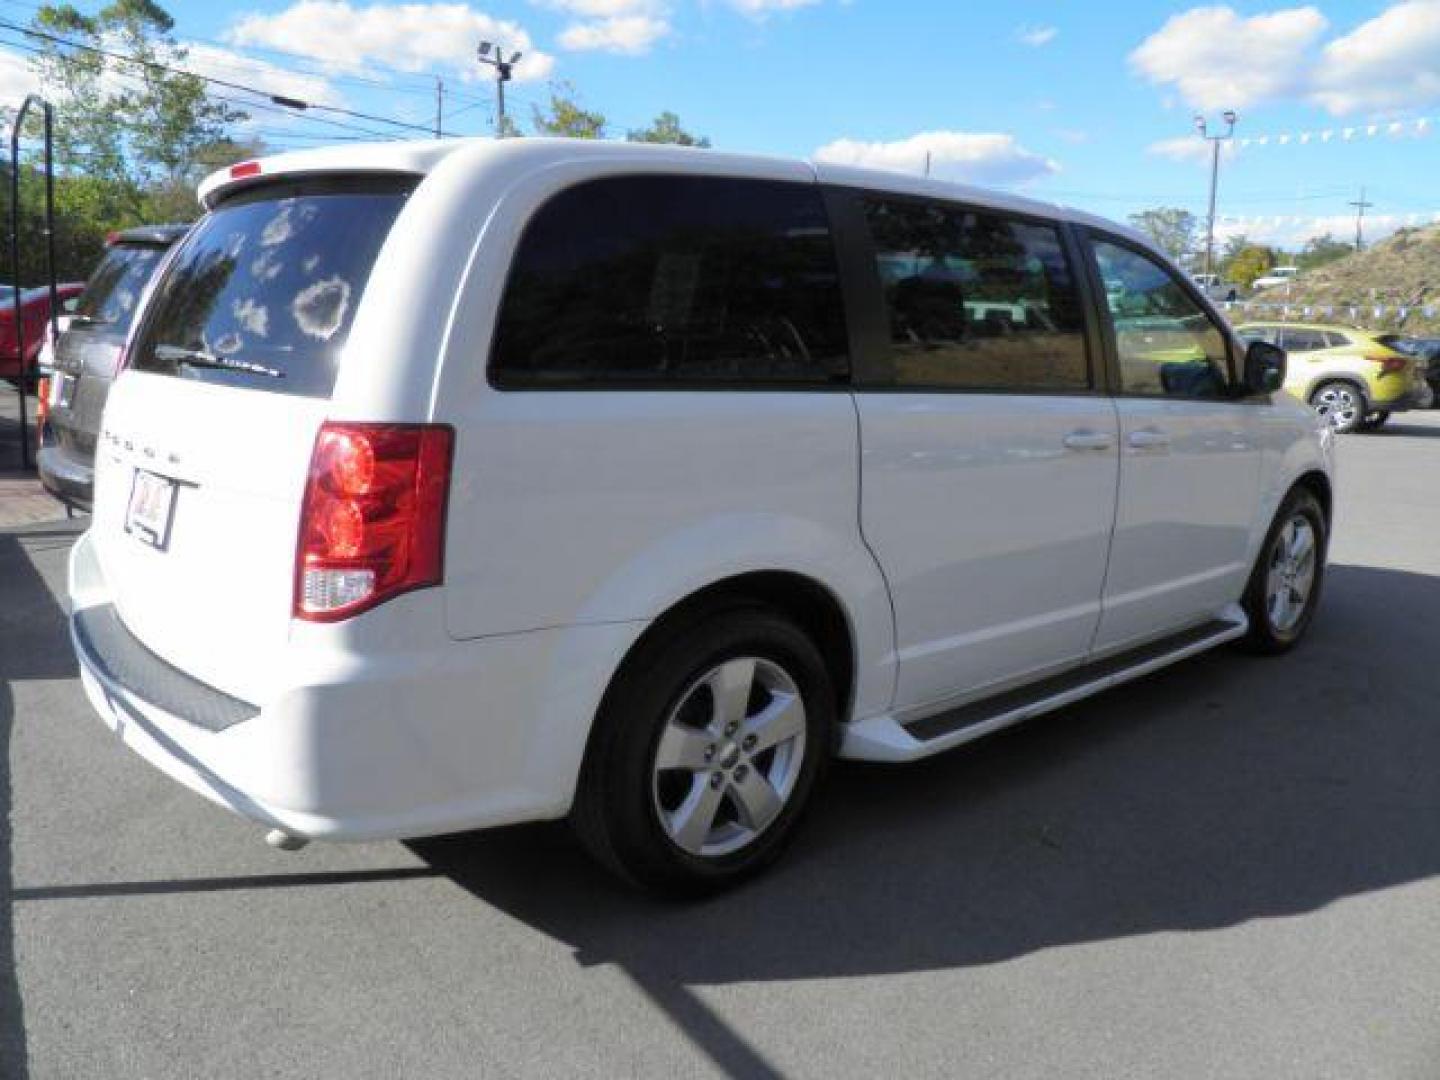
(1086, 439)
(1148, 439)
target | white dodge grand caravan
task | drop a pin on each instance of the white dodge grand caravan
(462, 483)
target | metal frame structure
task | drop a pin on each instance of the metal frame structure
(48, 112)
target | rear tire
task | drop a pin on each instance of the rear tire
(1341, 403)
(706, 751)
(1284, 586)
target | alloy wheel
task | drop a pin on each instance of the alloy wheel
(729, 756)
(1291, 576)
(1338, 404)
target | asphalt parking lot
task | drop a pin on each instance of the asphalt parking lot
(1231, 869)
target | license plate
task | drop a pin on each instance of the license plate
(152, 505)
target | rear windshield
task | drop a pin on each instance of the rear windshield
(112, 295)
(262, 293)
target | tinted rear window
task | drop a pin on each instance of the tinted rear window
(262, 293)
(112, 295)
(671, 281)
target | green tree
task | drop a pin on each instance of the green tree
(1319, 250)
(1173, 229)
(666, 128)
(563, 115)
(139, 120)
(1249, 263)
(133, 133)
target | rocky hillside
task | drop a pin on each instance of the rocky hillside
(1400, 274)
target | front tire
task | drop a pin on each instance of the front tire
(1375, 421)
(705, 752)
(1341, 403)
(1284, 587)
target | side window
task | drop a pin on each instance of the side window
(1301, 341)
(977, 301)
(1267, 334)
(1335, 341)
(1165, 341)
(668, 280)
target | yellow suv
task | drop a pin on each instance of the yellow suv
(1351, 377)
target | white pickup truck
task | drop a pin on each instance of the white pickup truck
(1278, 275)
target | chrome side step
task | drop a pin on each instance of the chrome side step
(883, 738)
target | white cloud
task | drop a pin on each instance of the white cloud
(411, 37)
(629, 27)
(758, 9)
(16, 79)
(1036, 36)
(261, 74)
(973, 157)
(1390, 62)
(1189, 148)
(601, 9)
(628, 34)
(1217, 58)
(1290, 232)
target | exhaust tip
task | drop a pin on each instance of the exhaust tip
(281, 840)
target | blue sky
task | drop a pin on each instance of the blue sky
(1084, 103)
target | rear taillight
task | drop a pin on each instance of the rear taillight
(372, 524)
(1390, 365)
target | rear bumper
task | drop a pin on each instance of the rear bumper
(70, 480)
(1419, 397)
(453, 736)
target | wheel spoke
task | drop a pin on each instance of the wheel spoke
(730, 687)
(682, 747)
(693, 819)
(779, 722)
(1302, 544)
(756, 801)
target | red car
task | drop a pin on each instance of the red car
(35, 310)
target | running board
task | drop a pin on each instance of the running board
(883, 738)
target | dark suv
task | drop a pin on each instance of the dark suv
(87, 355)
(1426, 350)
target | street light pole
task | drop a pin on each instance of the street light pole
(1214, 141)
(494, 55)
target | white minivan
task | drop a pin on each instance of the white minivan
(463, 483)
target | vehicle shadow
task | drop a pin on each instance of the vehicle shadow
(1222, 790)
(10, 427)
(1396, 429)
(33, 645)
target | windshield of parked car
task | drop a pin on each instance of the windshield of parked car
(262, 292)
(112, 295)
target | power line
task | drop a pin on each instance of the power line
(265, 106)
(156, 66)
(308, 67)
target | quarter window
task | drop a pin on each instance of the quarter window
(976, 301)
(1165, 341)
(668, 281)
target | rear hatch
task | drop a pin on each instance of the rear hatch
(208, 433)
(88, 352)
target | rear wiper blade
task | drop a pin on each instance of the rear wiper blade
(201, 359)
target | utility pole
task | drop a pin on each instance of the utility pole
(494, 55)
(1360, 207)
(1215, 141)
(439, 105)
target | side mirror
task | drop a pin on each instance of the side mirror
(1264, 368)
